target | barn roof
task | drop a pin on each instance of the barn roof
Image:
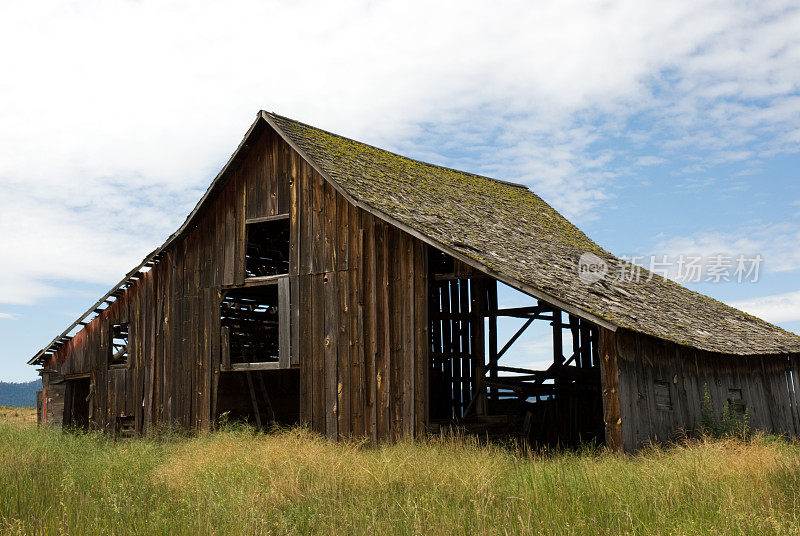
(505, 230)
(508, 231)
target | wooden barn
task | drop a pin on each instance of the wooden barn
(324, 281)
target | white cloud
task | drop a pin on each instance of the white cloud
(776, 308)
(778, 244)
(115, 115)
(649, 160)
(7, 316)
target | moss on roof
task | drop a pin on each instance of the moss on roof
(510, 230)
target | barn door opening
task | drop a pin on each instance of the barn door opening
(77, 396)
(261, 398)
(524, 368)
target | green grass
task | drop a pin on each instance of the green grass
(292, 482)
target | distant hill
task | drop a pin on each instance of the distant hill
(20, 395)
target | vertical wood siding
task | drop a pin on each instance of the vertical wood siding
(769, 387)
(358, 309)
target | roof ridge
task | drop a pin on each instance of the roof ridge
(502, 181)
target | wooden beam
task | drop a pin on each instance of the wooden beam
(520, 311)
(274, 217)
(266, 365)
(478, 295)
(491, 298)
(253, 399)
(267, 402)
(609, 378)
(513, 339)
(258, 281)
(284, 333)
(558, 347)
(226, 348)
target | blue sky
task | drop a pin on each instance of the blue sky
(657, 127)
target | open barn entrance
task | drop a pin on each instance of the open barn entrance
(513, 366)
(262, 398)
(77, 395)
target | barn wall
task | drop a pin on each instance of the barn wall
(358, 309)
(362, 317)
(52, 408)
(767, 388)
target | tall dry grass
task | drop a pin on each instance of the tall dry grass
(292, 482)
(9, 414)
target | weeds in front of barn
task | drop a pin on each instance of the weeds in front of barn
(237, 481)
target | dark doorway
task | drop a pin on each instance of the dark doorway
(262, 398)
(76, 403)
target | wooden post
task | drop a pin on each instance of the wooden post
(253, 399)
(478, 293)
(564, 425)
(492, 308)
(609, 378)
(558, 350)
(284, 328)
(226, 348)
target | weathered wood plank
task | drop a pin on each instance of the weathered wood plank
(356, 333)
(382, 332)
(408, 321)
(283, 201)
(284, 331)
(305, 212)
(295, 197)
(369, 274)
(317, 259)
(395, 320)
(329, 246)
(330, 351)
(609, 376)
(318, 352)
(306, 352)
(343, 236)
(421, 338)
(343, 354)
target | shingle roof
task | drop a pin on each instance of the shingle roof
(510, 231)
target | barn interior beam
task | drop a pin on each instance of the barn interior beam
(470, 386)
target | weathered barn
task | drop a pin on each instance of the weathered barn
(325, 281)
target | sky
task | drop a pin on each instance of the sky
(659, 128)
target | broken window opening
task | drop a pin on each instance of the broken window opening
(250, 319)
(119, 344)
(267, 252)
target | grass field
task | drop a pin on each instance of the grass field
(10, 415)
(292, 482)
